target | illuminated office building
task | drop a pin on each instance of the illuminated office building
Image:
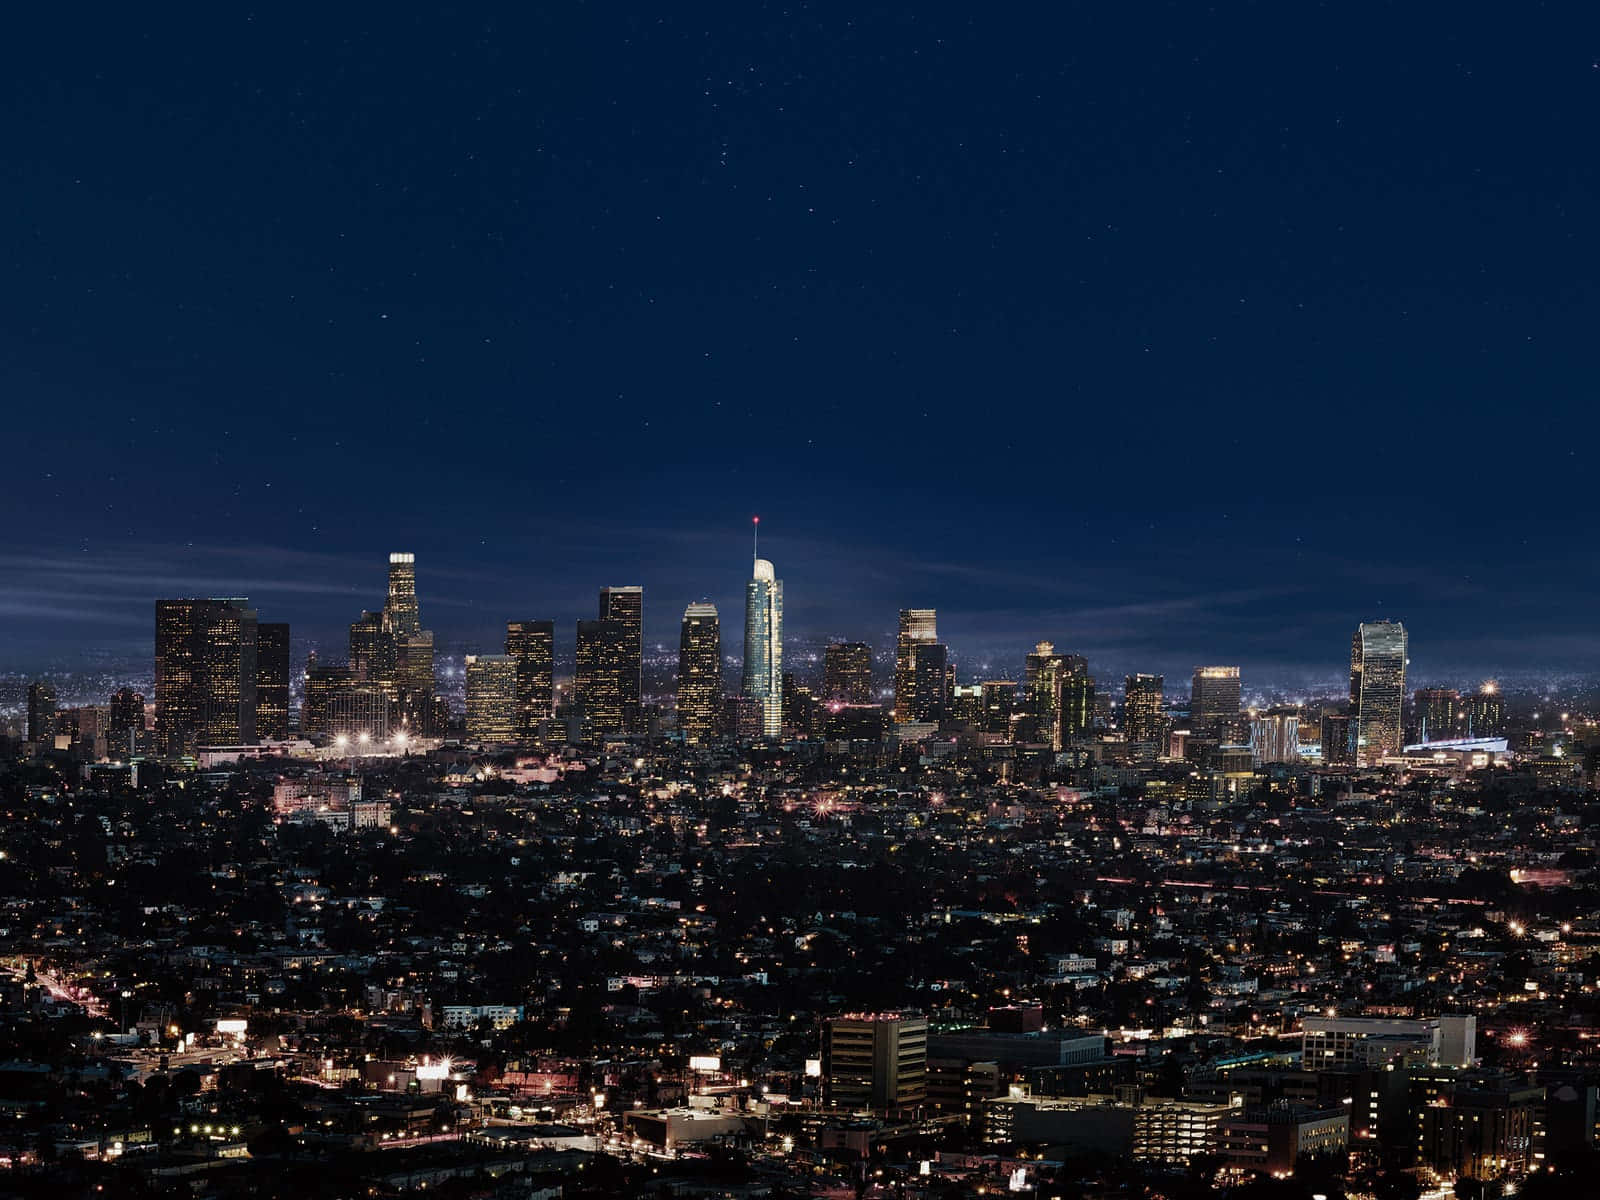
(763, 646)
(1144, 709)
(699, 672)
(847, 673)
(916, 625)
(493, 713)
(401, 607)
(1275, 735)
(41, 711)
(1214, 701)
(272, 681)
(875, 1062)
(1486, 712)
(930, 681)
(372, 653)
(205, 674)
(1377, 689)
(605, 659)
(625, 605)
(533, 645)
(999, 704)
(1058, 692)
(127, 713)
(1439, 714)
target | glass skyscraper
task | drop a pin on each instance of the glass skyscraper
(763, 646)
(1377, 689)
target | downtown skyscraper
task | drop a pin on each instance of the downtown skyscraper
(763, 646)
(533, 645)
(625, 606)
(699, 672)
(205, 674)
(918, 626)
(1377, 690)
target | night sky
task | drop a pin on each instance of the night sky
(1173, 333)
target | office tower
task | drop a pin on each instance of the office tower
(401, 609)
(205, 674)
(1074, 708)
(763, 646)
(1214, 701)
(1486, 712)
(1377, 689)
(1143, 709)
(41, 711)
(127, 713)
(533, 645)
(395, 652)
(1439, 713)
(802, 712)
(930, 681)
(272, 681)
(1275, 735)
(966, 705)
(1338, 744)
(323, 683)
(361, 713)
(493, 714)
(373, 656)
(999, 703)
(699, 672)
(847, 673)
(1051, 683)
(625, 605)
(874, 1062)
(604, 658)
(916, 625)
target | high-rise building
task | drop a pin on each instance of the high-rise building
(1439, 714)
(1275, 735)
(1377, 689)
(1486, 712)
(916, 625)
(1338, 739)
(493, 714)
(625, 605)
(323, 683)
(272, 680)
(404, 664)
(401, 609)
(127, 714)
(999, 703)
(41, 711)
(1144, 709)
(1214, 701)
(874, 1062)
(930, 681)
(205, 674)
(847, 673)
(699, 672)
(1075, 708)
(763, 646)
(1058, 692)
(604, 660)
(373, 655)
(533, 645)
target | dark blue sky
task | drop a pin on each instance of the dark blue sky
(1172, 333)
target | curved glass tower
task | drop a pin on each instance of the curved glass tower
(763, 646)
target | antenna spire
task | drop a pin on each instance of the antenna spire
(755, 537)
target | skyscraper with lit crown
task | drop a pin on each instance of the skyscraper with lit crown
(763, 645)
